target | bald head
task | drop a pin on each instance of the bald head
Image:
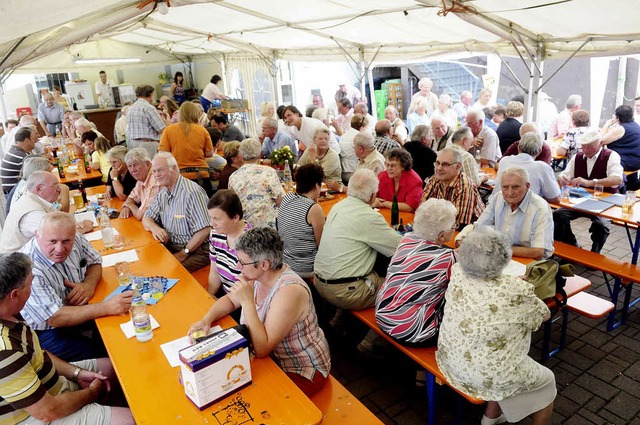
(383, 128)
(528, 127)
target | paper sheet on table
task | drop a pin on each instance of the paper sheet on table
(172, 348)
(109, 260)
(515, 269)
(97, 235)
(127, 327)
(92, 198)
(87, 215)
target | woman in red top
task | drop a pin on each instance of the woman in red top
(399, 178)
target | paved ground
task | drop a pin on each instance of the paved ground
(597, 374)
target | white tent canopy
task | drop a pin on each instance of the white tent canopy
(326, 30)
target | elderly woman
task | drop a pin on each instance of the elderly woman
(190, 144)
(409, 304)
(120, 182)
(400, 180)
(424, 94)
(418, 117)
(348, 157)
(622, 134)
(31, 164)
(445, 112)
(320, 153)
(267, 110)
(227, 225)
(301, 220)
(485, 334)
(231, 153)
(277, 309)
(258, 186)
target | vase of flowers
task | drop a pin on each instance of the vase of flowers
(279, 156)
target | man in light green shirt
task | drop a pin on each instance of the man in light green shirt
(354, 234)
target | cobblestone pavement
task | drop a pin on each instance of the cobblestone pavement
(597, 373)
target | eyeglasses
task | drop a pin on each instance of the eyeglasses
(251, 263)
(444, 164)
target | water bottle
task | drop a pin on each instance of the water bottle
(286, 176)
(140, 316)
(395, 212)
(478, 159)
(105, 229)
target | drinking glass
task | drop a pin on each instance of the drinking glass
(566, 193)
(122, 273)
(629, 202)
(157, 287)
(77, 200)
(597, 191)
(118, 241)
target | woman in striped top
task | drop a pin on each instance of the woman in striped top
(410, 302)
(300, 220)
(227, 224)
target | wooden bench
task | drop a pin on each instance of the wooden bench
(624, 274)
(339, 406)
(425, 357)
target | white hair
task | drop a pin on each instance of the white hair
(484, 253)
(363, 185)
(476, 112)
(171, 161)
(432, 217)
(531, 144)
(136, 154)
(364, 140)
(517, 171)
(250, 149)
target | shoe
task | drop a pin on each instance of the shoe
(421, 378)
(488, 421)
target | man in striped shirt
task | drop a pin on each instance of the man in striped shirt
(66, 270)
(13, 159)
(38, 386)
(178, 217)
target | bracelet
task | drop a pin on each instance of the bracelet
(76, 372)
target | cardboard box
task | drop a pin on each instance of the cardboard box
(216, 367)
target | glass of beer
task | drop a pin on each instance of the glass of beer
(77, 200)
(597, 191)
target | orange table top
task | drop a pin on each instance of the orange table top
(405, 216)
(81, 175)
(151, 385)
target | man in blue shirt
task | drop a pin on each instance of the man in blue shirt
(50, 115)
(272, 139)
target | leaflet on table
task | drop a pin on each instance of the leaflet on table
(86, 215)
(171, 348)
(97, 235)
(515, 269)
(130, 256)
(148, 299)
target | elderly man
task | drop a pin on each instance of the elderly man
(420, 149)
(462, 107)
(545, 152)
(28, 211)
(221, 122)
(484, 139)
(146, 189)
(520, 214)
(347, 91)
(342, 123)
(13, 159)
(399, 131)
(541, 176)
(273, 139)
(344, 265)
(441, 132)
(425, 95)
(66, 270)
(368, 156)
(564, 121)
(451, 184)
(103, 90)
(178, 217)
(50, 115)
(362, 109)
(37, 386)
(462, 140)
(384, 142)
(594, 164)
(144, 122)
(303, 128)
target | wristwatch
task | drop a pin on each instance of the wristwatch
(186, 250)
(76, 372)
(115, 179)
(595, 181)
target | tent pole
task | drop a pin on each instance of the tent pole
(274, 82)
(622, 77)
(513, 74)
(363, 87)
(566, 61)
(3, 106)
(374, 112)
(538, 63)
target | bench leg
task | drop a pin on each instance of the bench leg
(431, 398)
(547, 352)
(615, 292)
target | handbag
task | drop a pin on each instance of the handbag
(548, 279)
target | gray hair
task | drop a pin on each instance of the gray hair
(424, 81)
(37, 178)
(363, 185)
(171, 161)
(528, 127)
(136, 154)
(517, 171)
(445, 98)
(364, 140)
(457, 156)
(34, 163)
(484, 253)
(117, 152)
(15, 269)
(250, 149)
(270, 122)
(319, 114)
(476, 112)
(262, 243)
(57, 218)
(27, 120)
(531, 144)
(574, 100)
(319, 130)
(419, 132)
(460, 134)
(432, 217)
(85, 123)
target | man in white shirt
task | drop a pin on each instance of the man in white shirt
(362, 109)
(302, 128)
(594, 164)
(399, 131)
(342, 123)
(484, 138)
(462, 107)
(103, 90)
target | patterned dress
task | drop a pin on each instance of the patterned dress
(409, 305)
(485, 335)
(258, 188)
